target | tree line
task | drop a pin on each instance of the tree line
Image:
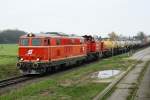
(10, 36)
(139, 36)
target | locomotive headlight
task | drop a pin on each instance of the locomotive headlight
(38, 59)
(30, 34)
(21, 59)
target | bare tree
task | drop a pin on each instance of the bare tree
(141, 36)
(113, 36)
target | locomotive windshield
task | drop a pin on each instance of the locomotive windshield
(36, 42)
(24, 42)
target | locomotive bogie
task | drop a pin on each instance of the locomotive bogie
(43, 67)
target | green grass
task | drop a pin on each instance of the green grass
(8, 49)
(74, 84)
(8, 59)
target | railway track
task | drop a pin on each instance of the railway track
(14, 80)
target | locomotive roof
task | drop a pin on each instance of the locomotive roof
(51, 34)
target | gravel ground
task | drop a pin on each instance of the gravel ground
(143, 55)
(123, 89)
(143, 92)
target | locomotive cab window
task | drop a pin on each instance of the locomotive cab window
(36, 42)
(24, 42)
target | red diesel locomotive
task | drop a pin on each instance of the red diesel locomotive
(40, 53)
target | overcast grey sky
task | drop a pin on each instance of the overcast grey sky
(76, 16)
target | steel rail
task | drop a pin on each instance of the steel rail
(14, 80)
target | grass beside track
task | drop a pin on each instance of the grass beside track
(74, 84)
(8, 58)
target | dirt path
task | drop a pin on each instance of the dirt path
(130, 81)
